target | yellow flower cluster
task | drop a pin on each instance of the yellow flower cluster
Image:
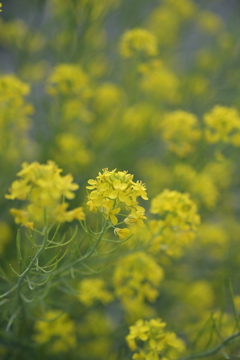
(73, 147)
(138, 41)
(136, 280)
(112, 190)
(223, 124)
(210, 22)
(14, 121)
(96, 330)
(180, 130)
(137, 118)
(15, 33)
(92, 290)
(159, 82)
(57, 328)
(106, 97)
(43, 187)
(156, 342)
(178, 224)
(67, 79)
(179, 210)
(166, 19)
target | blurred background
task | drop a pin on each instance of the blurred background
(152, 87)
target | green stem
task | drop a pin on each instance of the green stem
(212, 351)
(87, 255)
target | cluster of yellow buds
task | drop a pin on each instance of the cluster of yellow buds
(223, 124)
(43, 187)
(94, 289)
(179, 221)
(136, 278)
(138, 41)
(14, 118)
(110, 191)
(180, 130)
(179, 210)
(57, 329)
(67, 79)
(156, 341)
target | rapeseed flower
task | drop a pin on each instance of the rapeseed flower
(181, 132)
(222, 124)
(138, 41)
(43, 187)
(112, 190)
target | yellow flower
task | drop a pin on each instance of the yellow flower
(44, 188)
(140, 330)
(111, 190)
(136, 217)
(57, 329)
(122, 233)
(181, 131)
(110, 211)
(94, 289)
(67, 79)
(156, 340)
(222, 124)
(138, 41)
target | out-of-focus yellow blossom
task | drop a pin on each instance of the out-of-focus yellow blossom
(76, 110)
(180, 130)
(136, 280)
(164, 24)
(43, 187)
(138, 41)
(204, 186)
(17, 34)
(178, 225)
(0, 7)
(138, 118)
(185, 8)
(178, 210)
(220, 172)
(5, 235)
(111, 190)
(71, 146)
(210, 22)
(166, 20)
(107, 97)
(68, 79)
(95, 330)
(205, 190)
(14, 118)
(222, 124)
(58, 329)
(199, 295)
(214, 239)
(152, 340)
(94, 289)
(159, 82)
